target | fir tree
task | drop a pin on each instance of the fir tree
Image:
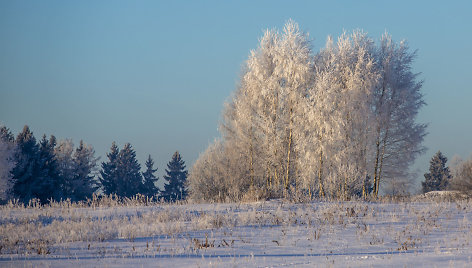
(46, 175)
(149, 179)
(128, 172)
(7, 162)
(6, 135)
(439, 175)
(26, 159)
(108, 175)
(84, 184)
(176, 179)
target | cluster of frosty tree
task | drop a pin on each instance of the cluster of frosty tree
(55, 170)
(335, 124)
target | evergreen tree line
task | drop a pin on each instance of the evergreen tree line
(56, 170)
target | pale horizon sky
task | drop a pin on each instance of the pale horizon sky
(156, 73)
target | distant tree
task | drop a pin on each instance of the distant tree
(7, 162)
(108, 175)
(6, 135)
(128, 172)
(83, 181)
(35, 175)
(400, 186)
(462, 179)
(208, 180)
(149, 179)
(25, 186)
(46, 177)
(439, 175)
(76, 170)
(66, 167)
(176, 179)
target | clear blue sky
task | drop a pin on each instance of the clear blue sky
(156, 73)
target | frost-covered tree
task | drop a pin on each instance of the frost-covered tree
(65, 165)
(400, 186)
(439, 175)
(149, 179)
(338, 116)
(333, 124)
(462, 179)
(397, 100)
(7, 162)
(83, 183)
(76, 169)
(108, 174)
(261, 120)
(208, 176)
(250, 120)
(175, 187)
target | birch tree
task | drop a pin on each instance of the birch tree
(262, 115)
(462, 178)
(398, 138)
(321, 125)
(338, 115)
(208, 178)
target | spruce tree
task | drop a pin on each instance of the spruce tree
(46, 174)
(6, 135)
(7, 163)
(439, 175)
(128, 172)
(26, 161)
(176, 179)
(108, 175)
(149, 179)
(84, 184)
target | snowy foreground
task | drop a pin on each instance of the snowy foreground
(260, 234)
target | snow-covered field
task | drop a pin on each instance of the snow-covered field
(260, 234)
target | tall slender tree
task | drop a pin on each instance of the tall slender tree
(108, 174)
(176, 179)
(46, 175)
(25, 186)
(128, 173)
(7, 162)
(397, 100)
(65, 166)
(149, 179)
(83, 180)
(262, 118)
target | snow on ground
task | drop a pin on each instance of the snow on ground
(260, 234)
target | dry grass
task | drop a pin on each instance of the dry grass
(402, 226)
